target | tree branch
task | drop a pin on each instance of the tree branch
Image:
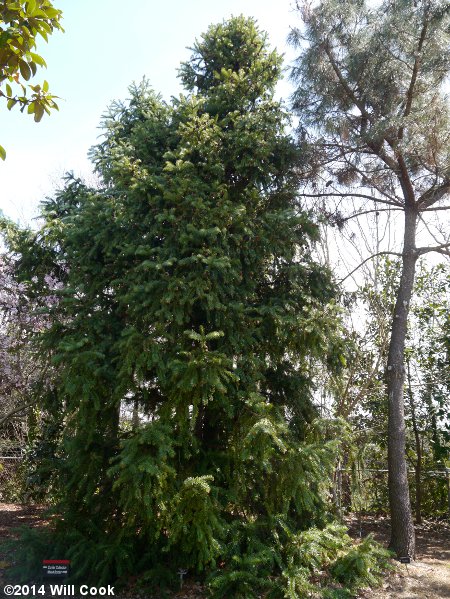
(367, 260)
(443, 248)
(377, 149)
(432, 196)
(405, 180)
(16, 410)
(415, 72)
(430, 232)
(436, 208)
(356, 214)
(350, 195)
(371, 183)
(348, 90)
(354, 402)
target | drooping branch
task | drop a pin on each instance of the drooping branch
(369, 181)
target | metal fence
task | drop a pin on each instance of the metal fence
(358, 490)
(11, 469)
(366, 490)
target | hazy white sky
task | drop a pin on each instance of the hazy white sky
(107, 44)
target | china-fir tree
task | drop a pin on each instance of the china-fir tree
(191, 299)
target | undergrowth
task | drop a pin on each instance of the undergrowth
(320, 563)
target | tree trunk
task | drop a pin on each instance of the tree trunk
(418, 467)
(402, 527)
(135, 417)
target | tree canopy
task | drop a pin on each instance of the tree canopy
(190, 297)
(202, 402)
(375, 119)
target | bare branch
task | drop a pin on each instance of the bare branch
(367, 260)
(17, 409)
(350, 195)
(443, 248)
(432, 196)
(430, 232)
(435, 208)
(371, 183)
(356, 214)
(354, 402)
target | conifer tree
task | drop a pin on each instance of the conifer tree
(373, 108)
(191, 296)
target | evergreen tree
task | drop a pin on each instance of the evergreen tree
(191, 297)
(373, 110)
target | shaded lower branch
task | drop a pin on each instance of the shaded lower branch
(11, 413)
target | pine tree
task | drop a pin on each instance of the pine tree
(373, 110)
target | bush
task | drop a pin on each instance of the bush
(363, 565)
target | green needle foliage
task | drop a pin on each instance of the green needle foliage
(190, 295)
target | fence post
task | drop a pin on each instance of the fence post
(448, 492)
(339, 481)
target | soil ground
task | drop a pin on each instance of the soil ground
(427, 578)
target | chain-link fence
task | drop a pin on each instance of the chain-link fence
(358, 490)
(11, 474)
(365, 490)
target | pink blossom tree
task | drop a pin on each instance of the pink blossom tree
(21, 366)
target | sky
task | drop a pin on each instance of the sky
(106, 46)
